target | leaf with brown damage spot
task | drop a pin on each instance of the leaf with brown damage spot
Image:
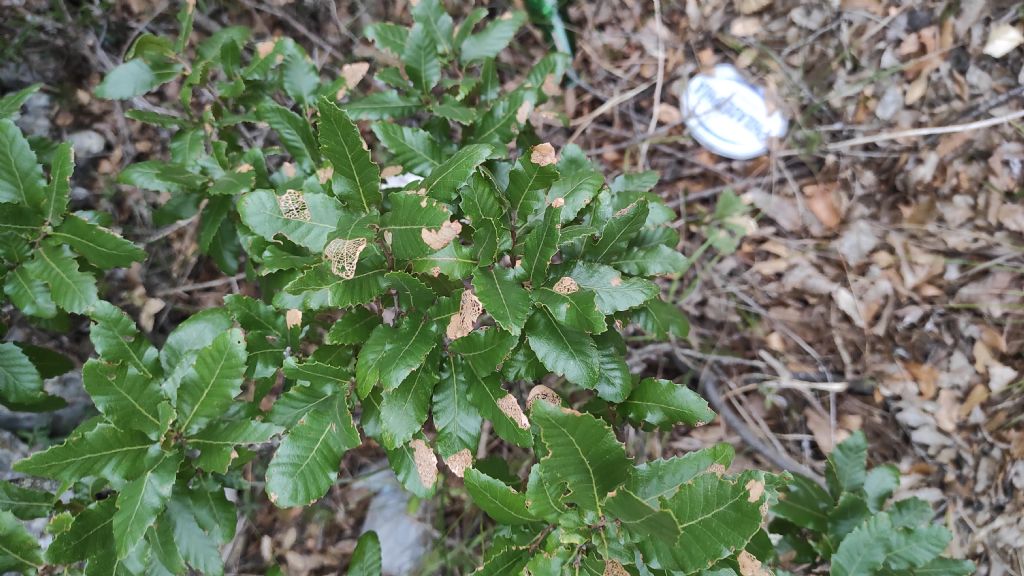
(510, 406)
(463, 321)
(542, 392)
(543, 155)
(443, 236)
(426, 462)
(459, 462)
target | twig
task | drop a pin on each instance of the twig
(201, 285)
(658, 84)
(916, 132)
(298, 26)
(585, 122)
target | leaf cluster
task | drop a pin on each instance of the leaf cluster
(854, 524)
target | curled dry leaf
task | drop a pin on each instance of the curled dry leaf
(510, 406)
(293, 206)
(459, 462)
(344, 255)
(1002, 39)
(426, 462)
(566, 285)
(543, 155)
(462, 322)
(443, 236)
(542, 392)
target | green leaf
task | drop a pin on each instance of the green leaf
(865, 549)
(404, 409)
(499, 501)
(317, 372)
(493, 39)
(366, 559)
(717, 517)
(25, 503)
(71, 289)
(12, 102)
(232, 183)
(527, 185)
(578, 183)
(454, 261)
(213, 381)
(879, 484)
(452, 110)
(420, 58)
(195, 545)
(509, 562)
(388, 36)
(411, 215)
(294, 131)
(414, 149)
(356, 177)
(90, 533)
(297, 401)
(613, 292)
(408, 347)
(99, 246)
(103, 451)
(500, 123)
(29, 294)
(503, 297)
(484, 349)
(540, 245)
(805, 504)
(142, 500)
(445, 180)
(582, 452)
(403, 462)
(183, 344)
(321, 288)
(299, 75)
(846, 467)
(254, 315)
(217, 442)
(260, 210)
(116, 339)
(21, 177)
(431, 14)
(502, 409)
(650, 261)
(159, 176)
(128, 399)
(563, 350)
(412, 293)
(353, 328)
(576, 309)
(382, 105)
(306, 464)
(20, 383)
(55, 202)
(661, 319)
(915, 547)
(910, 512)
(944, 567)
(618, 231)
(640, 518)
(658, 479)
(663, 404)
(135, 78)
(456, 419)
(615, 382)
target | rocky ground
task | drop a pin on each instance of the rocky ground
(879, 286)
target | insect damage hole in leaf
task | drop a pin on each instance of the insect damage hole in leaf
(459, 462)
(510, 406)
(566, 285)
(542, 392)
(462, 322)
(344, 255)
(426, 462)
(443, 236)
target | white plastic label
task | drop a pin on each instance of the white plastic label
(728, 115)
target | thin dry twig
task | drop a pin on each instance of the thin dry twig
(583, 123)
(659, 82)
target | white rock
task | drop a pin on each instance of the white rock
(87, 143)
(1002, 39)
